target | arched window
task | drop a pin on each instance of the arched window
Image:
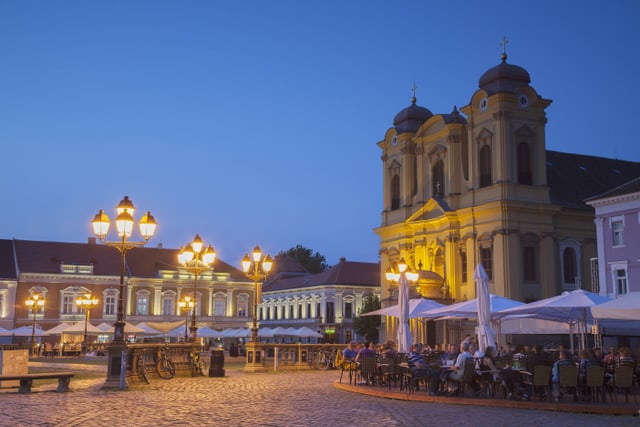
(485, 166)
(243, 305)
(569, 272)
(169, 303)
(395, 192)
(524, 164)
(437, 179)
(219, 304)
(142, 303)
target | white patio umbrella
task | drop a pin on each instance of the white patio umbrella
(306, 332)
(78, 329)
(27, 331)
(265, 333)
(104, 327)
(469, 309)
(148, 330)
(485, 333)
(207, 332)
(626, 307)
(416, 306)
(572, 307)
(128, 329)
(404, 333)
(163, 327)
(57, 330)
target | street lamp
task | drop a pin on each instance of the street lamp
(87, 302)
(124, 226)
(186, 304)
(259, 271)
(35, 302)
(193, 259)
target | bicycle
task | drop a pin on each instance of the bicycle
(197, 365)
(164, 366)
(141, 369)
(322, 359)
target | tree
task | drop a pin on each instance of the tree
(367, 326)
(313, 263)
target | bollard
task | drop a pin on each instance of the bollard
(216, 368)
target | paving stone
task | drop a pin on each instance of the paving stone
(293, 399)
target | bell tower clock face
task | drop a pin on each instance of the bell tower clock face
(483, 104)
(523, 101)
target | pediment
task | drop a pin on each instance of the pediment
(432, 209)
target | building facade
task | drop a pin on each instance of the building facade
(63, 272)
(478, 186)
(617, 267)
(326, 302)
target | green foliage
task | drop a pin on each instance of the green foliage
(313, 263)
(367, 326)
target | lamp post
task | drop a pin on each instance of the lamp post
(261, 268)
(186, 304)
(87, 302)
(35, 302)
(124, 226)
(193, 259)
(402, 276)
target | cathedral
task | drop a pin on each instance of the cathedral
(478, 186)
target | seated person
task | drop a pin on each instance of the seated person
(564, 359)
(369, 349)
(457, 370)
(420, 369)
(506, 376)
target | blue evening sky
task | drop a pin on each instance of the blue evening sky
(257, 121)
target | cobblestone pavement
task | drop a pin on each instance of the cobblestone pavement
(262, 399)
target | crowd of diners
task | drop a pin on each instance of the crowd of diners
(441, 369)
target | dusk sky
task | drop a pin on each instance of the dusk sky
(256, 122)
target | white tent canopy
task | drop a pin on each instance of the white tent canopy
(57, 330)
(626, 307)
(469, 309)
(306, 332)
(569, 307)
(27, 331)
(78, 329)
(416, 306)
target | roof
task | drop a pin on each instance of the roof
(574, 178)
(629, 187)
(46, 257)
(345, 273)
(504, 78)
(411, 118)
(7, 262)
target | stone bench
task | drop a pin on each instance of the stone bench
(26, 380)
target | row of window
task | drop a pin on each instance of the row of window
(169, 302)
(304, 311)
(524, 171)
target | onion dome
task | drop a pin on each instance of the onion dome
(504, 77)
(411, 118)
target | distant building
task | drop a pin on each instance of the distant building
(478, 186)
(326, 302)
(62, 272)
(617, 267)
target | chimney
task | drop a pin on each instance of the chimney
(92, 240)
(160, 245)
(343, 260)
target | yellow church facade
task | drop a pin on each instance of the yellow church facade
(473, 187)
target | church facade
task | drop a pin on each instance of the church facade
(478, 186)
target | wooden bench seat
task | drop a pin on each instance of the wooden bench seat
(26, 380)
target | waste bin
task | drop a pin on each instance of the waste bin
(216, 367)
